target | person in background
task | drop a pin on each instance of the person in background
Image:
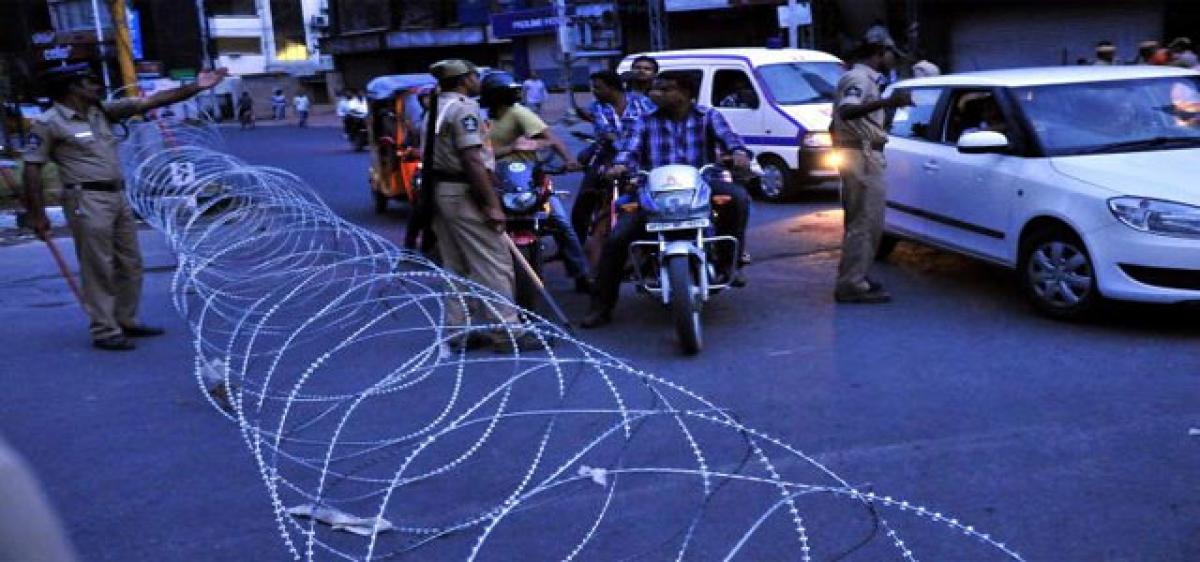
(1182, 54)
(925, 69)
(1106, 54)
(645, 69)
(76, 134)
(535, 92)
(245, 110)
(301, 104)
(278, 105)
(342, 109)
(1146, 51)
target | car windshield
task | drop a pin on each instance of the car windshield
(794, 83)
(1114, 116)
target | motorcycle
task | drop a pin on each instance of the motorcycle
(356, 130)
(525, 190)
(594, 219)
(682, 261)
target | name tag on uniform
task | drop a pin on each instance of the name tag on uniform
(83, 135)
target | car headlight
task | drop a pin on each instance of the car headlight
(520, 201)
(818, 140)
(1157, 217)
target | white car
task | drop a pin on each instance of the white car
(1085, 180)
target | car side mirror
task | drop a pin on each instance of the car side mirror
(983, 142)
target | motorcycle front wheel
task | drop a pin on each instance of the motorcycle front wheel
(685, 305)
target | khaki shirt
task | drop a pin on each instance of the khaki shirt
(858, 86)
(459, 126)
(82, 145)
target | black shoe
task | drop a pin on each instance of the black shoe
(869, 296)
(738, 279)
(596, 318)
(874, 285)
(524, 342)
(142, 331)
(744, 259)
(583, 285)
(114, 343)
(469, 342)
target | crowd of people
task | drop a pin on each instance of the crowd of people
(1178, 52)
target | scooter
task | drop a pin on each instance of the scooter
(356, 130)
(678, 263)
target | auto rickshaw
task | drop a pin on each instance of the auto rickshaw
(393, 133)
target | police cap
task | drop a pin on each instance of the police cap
(450, 68)
(68, 72)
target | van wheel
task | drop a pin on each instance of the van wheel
(1057, 274)
(777, 183)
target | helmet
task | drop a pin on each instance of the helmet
(499, 88)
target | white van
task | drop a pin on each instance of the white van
(779, 100)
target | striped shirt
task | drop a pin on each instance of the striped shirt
(606, 120)
(657, 140)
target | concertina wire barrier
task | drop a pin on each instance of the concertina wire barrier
(360, 418)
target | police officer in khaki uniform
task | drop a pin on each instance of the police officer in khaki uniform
(76, 134)
(468, 219)
(858, 131)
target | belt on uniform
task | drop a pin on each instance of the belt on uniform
(438, 176)
(95, 186)
(877, 145)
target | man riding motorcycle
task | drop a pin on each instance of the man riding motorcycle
(516, 133)
(677, 132)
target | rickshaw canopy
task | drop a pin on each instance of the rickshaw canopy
(384, 87)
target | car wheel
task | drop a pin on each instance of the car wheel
(1057, 274)
(887, 245)
(776, 184)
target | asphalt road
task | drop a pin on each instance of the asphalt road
(1068, 441)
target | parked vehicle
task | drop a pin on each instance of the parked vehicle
(392, 131)
(779, 100)
(1082, 179)
(679, 262)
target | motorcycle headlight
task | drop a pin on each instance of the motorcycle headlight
(1154, 216)
(675, 202)
(520, 201)
(818, 140)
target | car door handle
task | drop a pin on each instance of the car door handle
(931, 166)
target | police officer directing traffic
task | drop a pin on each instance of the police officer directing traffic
(76, 134)
(858, 130)
(468, 219)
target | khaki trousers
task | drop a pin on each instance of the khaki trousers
(864, 198)
(110, 262)
(471, 249)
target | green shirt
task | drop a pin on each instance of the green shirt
(516, 122)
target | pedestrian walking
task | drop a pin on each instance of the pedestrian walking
(76, 134)
(858, 130)
(301, 104)
(468, 218)
(278, 105)
(245, 110)
(535, 92)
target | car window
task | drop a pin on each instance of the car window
(914, 122)
(971, 111)
(733, 89)
(796, 83)
(1114, 116)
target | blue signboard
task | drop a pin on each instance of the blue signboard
(134, 19)
(538, 21)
